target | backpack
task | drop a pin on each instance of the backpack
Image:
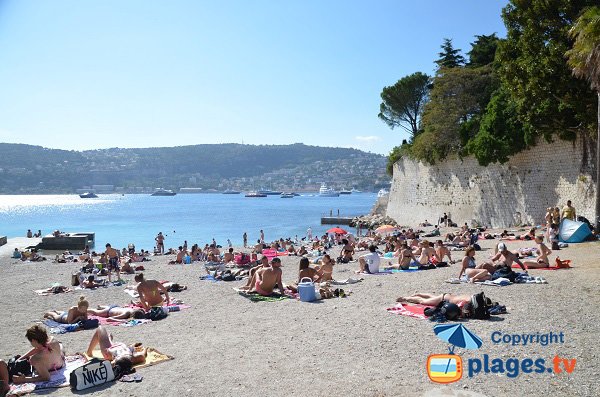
(93, 373)
(75, 279)
(157, 313)
(479, 307)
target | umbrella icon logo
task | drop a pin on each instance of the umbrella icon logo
(448, 368)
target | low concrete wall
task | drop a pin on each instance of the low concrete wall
(516, 192)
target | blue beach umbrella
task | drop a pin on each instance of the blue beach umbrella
(458, 335)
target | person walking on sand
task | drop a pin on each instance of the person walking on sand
(568, 212)
(160, 243)
(245, 238)
(113, 261)
(262, 236)
(309, 233)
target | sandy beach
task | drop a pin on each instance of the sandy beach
(226, 345)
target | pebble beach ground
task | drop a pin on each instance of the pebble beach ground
(226, 345)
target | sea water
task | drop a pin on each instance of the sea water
(197, 218)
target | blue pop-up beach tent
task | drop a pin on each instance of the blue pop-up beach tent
(573, 231)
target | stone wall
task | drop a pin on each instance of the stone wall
(516, 192)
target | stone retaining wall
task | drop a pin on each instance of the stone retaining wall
(516, 192)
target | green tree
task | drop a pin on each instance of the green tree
(483, 50)
(500, 134)
(403, 102)
(532, 67)
(584, 59)
(451, 117)
(449, 57)
(396, 154)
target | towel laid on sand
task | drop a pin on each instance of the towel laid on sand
(410, 269)
(346, 281)
(500, 282)
(409, 310)
(123, 323)
(254, 297)
(60, 328)
(515, 266)
(58, 378)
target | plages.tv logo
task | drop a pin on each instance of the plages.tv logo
(448, 368)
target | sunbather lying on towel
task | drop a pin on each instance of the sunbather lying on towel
(73, 315)
(117, 352)
(115, 312)
(470, 270)
(35, 365)
(434, 299)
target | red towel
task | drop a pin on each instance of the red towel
(516, 266)
(409, 309)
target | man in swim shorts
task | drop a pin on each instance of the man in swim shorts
(267, 278)
(113, 261)
(504, 258)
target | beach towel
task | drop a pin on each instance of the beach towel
(128, 323)
(58, 378)
(515, 266)
(254, 297)
(380, 273)
(409, 310)
(499, 282)
(60, 328)
(346, 281)
(209, 277)
(410, 269)
(154, 357)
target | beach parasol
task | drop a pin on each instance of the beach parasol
(386, 229)
(337, 230)
(458, 335)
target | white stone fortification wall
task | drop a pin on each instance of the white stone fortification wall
(518, 191)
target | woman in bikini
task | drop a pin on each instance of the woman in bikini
(115, 312)
(118, 353)
(36, 365)
(325, 270)
(435, 299)
(468, 268)
(73, 315)
(542, 252)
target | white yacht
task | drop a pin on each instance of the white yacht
(355, 190)
(325, 191)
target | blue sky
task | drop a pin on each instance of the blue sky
(144, 73)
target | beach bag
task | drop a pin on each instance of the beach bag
(479, 307)
(157, 313)
(75, 279)
(566, 264)
(90, 323)
(306, 290)
(241, 259)
(18, 367)
(93, 373)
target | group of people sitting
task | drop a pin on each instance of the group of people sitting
(47, 355)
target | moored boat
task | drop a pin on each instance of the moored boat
(163, 192)
(255, 194)
(325, 191)
(88, 195)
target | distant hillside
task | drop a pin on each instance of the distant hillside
(34, 169)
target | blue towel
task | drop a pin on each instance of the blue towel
(60, 328)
